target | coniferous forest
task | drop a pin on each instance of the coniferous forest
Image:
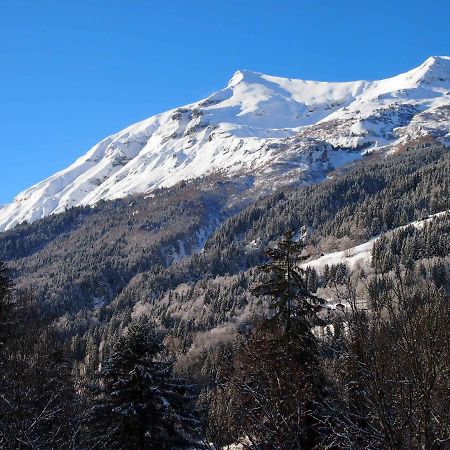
(197, 318)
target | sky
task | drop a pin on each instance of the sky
(74, 72)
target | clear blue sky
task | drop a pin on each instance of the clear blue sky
(72, 72)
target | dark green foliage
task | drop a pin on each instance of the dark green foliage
(411, 244)
(271, 391)
(312, 279)
(335, 274)
(370, 199)
(293, 303)
(141, 405)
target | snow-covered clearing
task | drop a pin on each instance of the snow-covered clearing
(360, 255)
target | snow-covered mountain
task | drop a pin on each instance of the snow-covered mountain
(275, 129)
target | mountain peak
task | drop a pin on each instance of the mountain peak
(244, 76)
(435, 69)
(261, 125)
(438, 59)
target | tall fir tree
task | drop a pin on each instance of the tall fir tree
(271, 392)
(294, 305)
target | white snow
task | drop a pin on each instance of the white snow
(262, 125)
(360, 255)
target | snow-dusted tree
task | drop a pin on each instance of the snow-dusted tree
(271, 394)
(294, 305)
(140, 404)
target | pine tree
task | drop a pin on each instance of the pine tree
(273, 392)
(293, 303)
(141, 405)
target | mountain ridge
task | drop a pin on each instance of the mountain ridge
(278, 130)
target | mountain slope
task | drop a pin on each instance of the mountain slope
(151, 243)
(274, 129)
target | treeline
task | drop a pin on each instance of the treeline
(91, 255)
(84, 254)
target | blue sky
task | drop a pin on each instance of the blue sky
(73, 72)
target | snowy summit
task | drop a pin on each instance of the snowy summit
(272, 128)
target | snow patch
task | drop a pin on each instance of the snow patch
(360, 255)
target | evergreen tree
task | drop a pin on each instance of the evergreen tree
(272, 395)
(141, 405)
(293, 303)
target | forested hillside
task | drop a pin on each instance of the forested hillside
(185, 262)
